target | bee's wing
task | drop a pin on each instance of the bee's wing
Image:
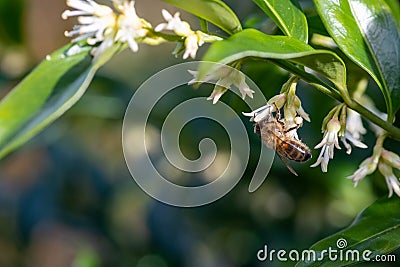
(284, 160)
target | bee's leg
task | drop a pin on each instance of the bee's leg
(292, 132)
(261, 109)
(257, 129)
(298, 125)
(278, 112)
(292, 128)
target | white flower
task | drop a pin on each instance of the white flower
(96, 21)
(216, 74)
(99, 23)
(85, 7)
(393, 184)
(392, 181)
(291, 121)
(383, 159)
(354, 125)
(299, 109)
(378, 130)
(369, 104)
(240, 83)
(217, 93)
(353, 131)
(293, 109)
(391, 158)
(260, 113)
(278, 100)
(354, 141)
(369, 165)
(294, 113)
(349, 128)
(366, 167)
(328, 144)
(193, 39)
(106, 43)
(174, 23)
(225, 77)
(130, 26)
(181, 28)
(191, 45)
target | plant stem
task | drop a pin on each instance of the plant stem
(392, 131)
(311, 79)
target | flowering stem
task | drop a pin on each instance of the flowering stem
(393, 131)
(311, 79)
(327, 89)
(168, 37)
(379, 140)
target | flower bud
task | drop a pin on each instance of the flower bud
(366, 167)
(278, 100)
(391, 158)
(392, 182)
(333, 125)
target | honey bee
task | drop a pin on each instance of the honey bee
(274, 135)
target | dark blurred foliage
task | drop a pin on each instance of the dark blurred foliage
(67, 199)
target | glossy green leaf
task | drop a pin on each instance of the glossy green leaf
(367, 33)
(288, 16)
(394, 6)
(376, 229)
(252, 43)
(45, 94)
(382, 36)
(214, 11)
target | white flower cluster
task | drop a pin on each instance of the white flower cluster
(192, 39)
(293, 110)
(100, 24)
(225, 76)
(386, 161)
(349, 128)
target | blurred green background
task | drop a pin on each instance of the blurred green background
(67, 198)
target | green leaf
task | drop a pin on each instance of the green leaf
(395, 9)
(214, 11)
(377, 229)
(252, 43)
(367, 33)
(45, 94)
(382, 36)
(288, 16)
